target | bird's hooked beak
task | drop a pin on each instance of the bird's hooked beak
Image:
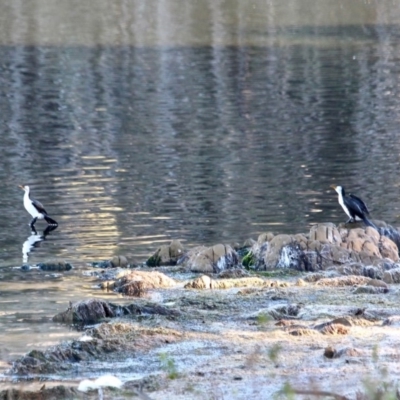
(333, 187)
(22, 187)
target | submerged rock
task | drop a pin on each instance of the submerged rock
(55, 266)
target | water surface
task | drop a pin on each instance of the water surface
(209, 121)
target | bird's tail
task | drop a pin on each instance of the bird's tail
(368, 222)
(50, 221)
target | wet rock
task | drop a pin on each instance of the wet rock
(101, 264)
(55, 266)
(86, 312)
(213, 259)
(137, 283)
(166, 254)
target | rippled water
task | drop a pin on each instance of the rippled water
(206, 122)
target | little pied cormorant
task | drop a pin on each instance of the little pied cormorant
(354, 207)
(36, 209)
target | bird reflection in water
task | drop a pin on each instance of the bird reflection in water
(34, 240)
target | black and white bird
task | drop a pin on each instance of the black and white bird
(36, 209)
(354, 207)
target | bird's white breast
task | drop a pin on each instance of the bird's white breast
(341, 202)
(31, 208)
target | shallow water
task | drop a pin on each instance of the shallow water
(206, 122)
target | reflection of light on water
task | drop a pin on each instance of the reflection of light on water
(33, 241)
(29, 244)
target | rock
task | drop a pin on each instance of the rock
(212, 259)
(233, 273)
(325, 233)
(393, 320)
(285, 312)
(106, 338)
(333, 329)
(388, 248)
(303, 332)
(205, 282)
(273, 254)
(94, 310)
(202, 282)
(377, 283)
(392, 276)
(138, 282)
(249, 243)
(166, 254)
(86, 312)
(55, 266)
(341, 281)
(265, 237)
(119, 261)
(370, 290)
(331, 352)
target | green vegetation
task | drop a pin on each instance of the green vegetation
(168, 365)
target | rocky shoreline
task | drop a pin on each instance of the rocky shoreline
(302, 315)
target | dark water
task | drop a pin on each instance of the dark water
(207, 123)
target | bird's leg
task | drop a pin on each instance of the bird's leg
(350, 220)
(32, 225)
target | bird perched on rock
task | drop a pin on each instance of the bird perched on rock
(353, 206)
(36, 209)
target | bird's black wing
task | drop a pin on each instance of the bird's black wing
(357, 202)
(39, 206)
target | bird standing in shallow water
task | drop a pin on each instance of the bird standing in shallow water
(353, 206)
(36, 209)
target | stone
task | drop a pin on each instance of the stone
(119, 261)
(166, 254)
(325, 233)
(137, 283)
(213, 259)
(265, 237)
(205, 282)
(55, 266)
